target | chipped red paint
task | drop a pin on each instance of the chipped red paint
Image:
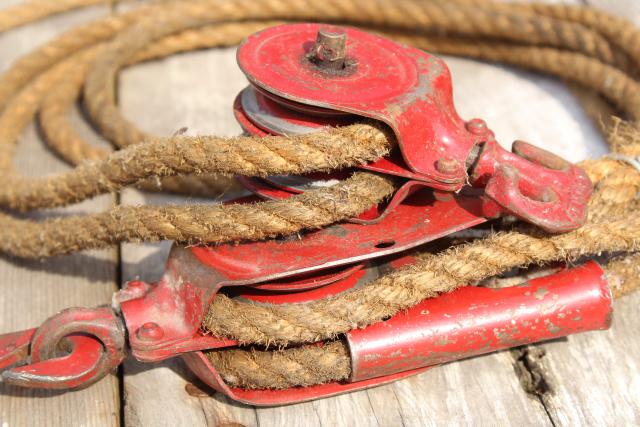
(14, 347)
(395, 84)
(420, 218)
(534, 184)
(466, 322)
(200, 365)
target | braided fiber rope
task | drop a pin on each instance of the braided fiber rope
(30, 11)
(598, 52)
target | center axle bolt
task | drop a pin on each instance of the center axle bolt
(329, 50)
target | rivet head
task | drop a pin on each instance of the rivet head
(136, 286)
(447, 165)
(150, 331)
(477, 126)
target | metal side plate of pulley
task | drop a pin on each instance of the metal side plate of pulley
(319, 70)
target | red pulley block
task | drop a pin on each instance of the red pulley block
(306, 77)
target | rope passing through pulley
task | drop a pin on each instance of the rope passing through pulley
(294, 80)
(353, 146)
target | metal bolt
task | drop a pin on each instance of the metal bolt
(136, 286)
(477, 126)
(150, 331)
(132, 290)
(330, 49)
(447, 165)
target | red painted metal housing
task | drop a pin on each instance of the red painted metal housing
(193, 276)
(396, 84)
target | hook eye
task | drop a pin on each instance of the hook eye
(526, 187)
(74, 348)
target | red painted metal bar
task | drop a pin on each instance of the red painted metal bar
(473, 321)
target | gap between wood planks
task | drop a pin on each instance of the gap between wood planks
(534, 378)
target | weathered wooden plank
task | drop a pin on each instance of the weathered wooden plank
(191, 90)
(594, 378)
(34, 290)
(478, 391)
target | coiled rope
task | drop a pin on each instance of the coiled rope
(598, 52)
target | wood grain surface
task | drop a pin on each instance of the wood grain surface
(589, 379)
(34, 290)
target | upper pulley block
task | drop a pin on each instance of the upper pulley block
(307, 76)
(319, 70)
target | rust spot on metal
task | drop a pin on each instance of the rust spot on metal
(477, 126)
(444, 340)
(371, 357)
(422, 92)
(328, 54)
(541, 292)
(447, 165)
(552, 327)
(508, 336)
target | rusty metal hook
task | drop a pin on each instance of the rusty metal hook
(71, 349)
(534, 184)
